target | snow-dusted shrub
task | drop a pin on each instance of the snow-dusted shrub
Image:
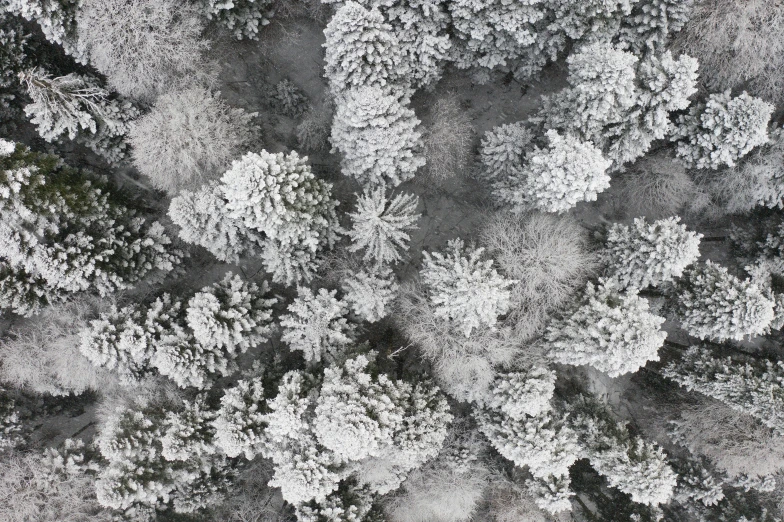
(547, 255)
(634, 466)
(611, 330)
(650, 254)
(656, 187)
(714, 304)
(137, 475)
(737, 44)
(188, 137)
(77, 106)
(722, 130)
(242, 17)
(465, 288)
(51, 486)
(361, 49)
(619, 103)
(63, 232)
(239, 425)
(380, 225)
(653, 23)
(57, 20)
(464, 367)
(376, 134)
(314, 129)
(370, 293)
(144, 47)
(503, 149)
(43, 355)
(556, 178)
(317, 325)
(204, 221)
(752, 387)
(448, 140)
(319, 435)
(517, 394)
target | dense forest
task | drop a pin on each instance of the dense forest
(391, 260)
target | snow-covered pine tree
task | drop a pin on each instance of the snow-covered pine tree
(713, 304)
(619, 103)
(278, 196)
(64, 232)
(243, 17)
(376, 134)
(753, 387)
(649, 254)
(380, 225)
(523, 393)
(57, 20)
(317, 325)
(653, 23)
(239, 424)
(722, 130)
(557, 178)
(503, 149)
(370, 293)
(464, 287)
(632, 465)
(16, 54)
(77, 106)
(361, 49)
(611, 330)
(204, 221)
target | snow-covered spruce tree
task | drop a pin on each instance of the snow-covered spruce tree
(557, 178)
(653, 23)
(619, 103)
(204, 221)
(57, 20)
(144, 47)
(221, 322)
(495, 34)
(361, 49)
(502, 150)
(352, 424)
(370, 293)
(376, 134)
(521, 394)
(159, 456)
(317, 325)
(17, 52)
(243, 17)
(421, 30)
(753, 387)
(278, 196)
(77, 106)
(63, 232)
(634, 466)
(380, 225)
(188, 137)
(239, 424)
(713, 304)
(649, 254)
(611, 330)
(722, 130)
(465, 288)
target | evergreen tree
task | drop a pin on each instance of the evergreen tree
(376, 134)
(503, 149)
(380, 225)
(465, 288)
(557, 178)
(239, 424)
(648, 255)
(753, 387)
(317, 325)
(370, 293)
(712, 303)
(653, 23)
(64, 232)
(520, 394)
(610, 330)
(361, 49)
(77, 106)
(722, 130)
(57, 20)
(243, 17)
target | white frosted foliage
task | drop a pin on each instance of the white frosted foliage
(370, 293)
